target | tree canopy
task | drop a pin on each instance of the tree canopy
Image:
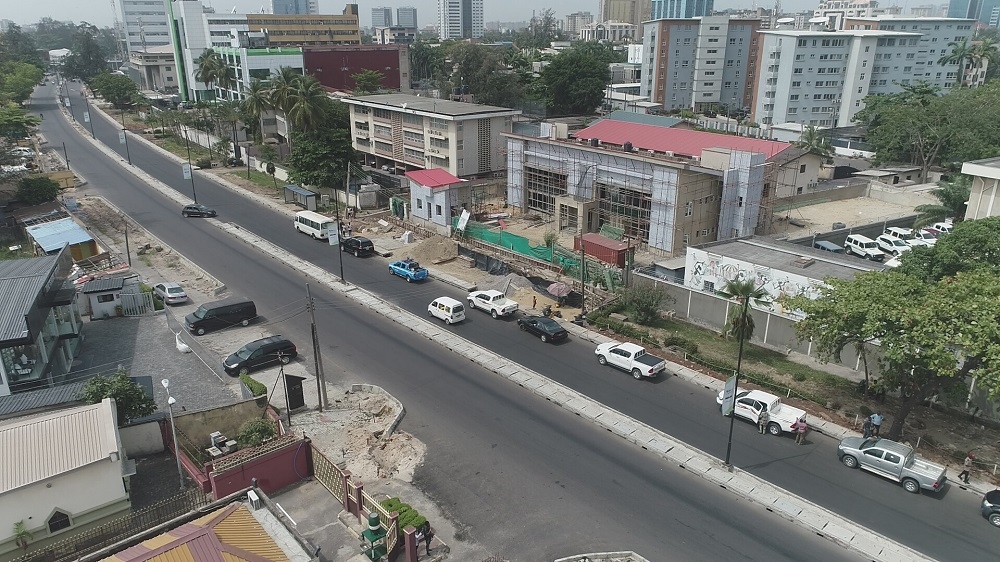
(321, 157)
(935, 317)
(87, 58)
(952, 196)
(36, 190)
(576, 78)
(130, 399)
(116, 89)
(367, 81)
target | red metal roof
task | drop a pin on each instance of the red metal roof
(679, 141)
(434, 177)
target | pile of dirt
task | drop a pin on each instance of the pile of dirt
(510, 283)
(430, 249)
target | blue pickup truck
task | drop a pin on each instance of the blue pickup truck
(408, 269)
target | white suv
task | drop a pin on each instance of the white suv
(891, 245)
(863, 247)
(906, 235)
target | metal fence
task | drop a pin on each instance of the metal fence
(104, 535)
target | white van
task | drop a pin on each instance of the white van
(447, 309)
(314, 224)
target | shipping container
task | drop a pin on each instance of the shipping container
(602, 248)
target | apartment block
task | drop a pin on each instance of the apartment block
(836, 11)
(699, 63)
(634, 12)
(575, 22)
(460, 19)
(299, 30)
(394, 35)
(403, 133)
(822, 77)
(612, 31)
(300, 7)
(145, 24)
(154, 69)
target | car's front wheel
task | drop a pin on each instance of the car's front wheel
(544, 338)
(200, 331)
(849, 461)
(522, 327)
(602, 360)
(357, 253)
(244, 371)
(409, 280)
(995, 519)
(911, 486)
(185, 215)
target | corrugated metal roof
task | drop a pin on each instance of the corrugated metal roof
(103, 285)
(230, 534)
(41, 398)
(434, 177)
(20, 283)
(52, 235)
(53, 444)
(679, 141)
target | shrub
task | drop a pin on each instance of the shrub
(203, 163)
(642, 301)
(256, 431)
(681, 342)
(407, 515)
(865, 411)
(256, 388)
(33, 191)
(630, 331)
(799, 377)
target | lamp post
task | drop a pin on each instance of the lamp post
(739, 365)
(173, 429)
(124, 138)
(187, 143)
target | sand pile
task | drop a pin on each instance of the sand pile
(430, 249)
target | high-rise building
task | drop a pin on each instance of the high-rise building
(836, 11)
(821, 77)
(677, 9)
(460, 19)
(382, 17)
(699, 64)
(970, 9)
(627, 11)
(145, 24)
(576, 21)
(292, 7)
(406, 16)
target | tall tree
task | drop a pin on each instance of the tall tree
(307, 104)
(18, 47)
(971, 246)
(257, 102)
(17, 81)
(116, 89)
(813, 140)
(960, 53)
(367, 81)
(130, 399)
(575, 80)
(87, 58)
(15, 122)
(952, 196)
(321, 157)
(209, 66)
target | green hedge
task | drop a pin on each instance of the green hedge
(683, 343)
(256, 388)
(407, 515)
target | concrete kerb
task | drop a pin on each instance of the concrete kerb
(627, 556)
(862, 540)
(400, 411)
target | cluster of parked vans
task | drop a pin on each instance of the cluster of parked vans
(892, 242)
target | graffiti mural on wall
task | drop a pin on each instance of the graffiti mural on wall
(705, 271)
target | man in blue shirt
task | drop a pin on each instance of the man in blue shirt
(876, 424)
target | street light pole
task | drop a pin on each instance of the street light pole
(173, 428)
(89, 116)
(187, 143)
(128, 156)
(739, 364)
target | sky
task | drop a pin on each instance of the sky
(99, 12)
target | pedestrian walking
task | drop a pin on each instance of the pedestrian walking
(762, 421)
(534, 301)
(866, 428)
(800, 428)
(350, 229)
(966, 468)
(877, 424)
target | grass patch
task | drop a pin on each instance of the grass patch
(178, 147)
(257, 178)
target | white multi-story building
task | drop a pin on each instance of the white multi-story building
(200, 30)
(699, 63)
(394, 35)
(576, 21)
(613, 31)
(460, 19)
(145, 23)
(836, 11)
(405, 133)
(821, 78)
(406, 16)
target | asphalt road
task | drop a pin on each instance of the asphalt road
(490, 444)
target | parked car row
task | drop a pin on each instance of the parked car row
(894, 241)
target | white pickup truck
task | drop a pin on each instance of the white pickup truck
(492, 301)
(630, 358)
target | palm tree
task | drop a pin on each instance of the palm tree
(256, 103)
(227, 80)
(960, 52)
(952, 196)
(22, 536)
(741, 325)
(307, 104)
(984, 50)
(282, 85)
(209, 66)
(813, 140)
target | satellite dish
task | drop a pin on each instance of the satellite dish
(817, 19)
(783, 21)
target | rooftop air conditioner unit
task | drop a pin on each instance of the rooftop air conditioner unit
(254, 500)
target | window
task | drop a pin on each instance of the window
(706, 285)
(105, 298)
(890, 457)
(420, 203)
(739, 202)
(58, 522)
(802, 169)
(688, 208)
(437, 210)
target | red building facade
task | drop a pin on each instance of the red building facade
(333, 65)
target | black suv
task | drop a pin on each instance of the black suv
(357, 245)
(198, 211)
(260, 353)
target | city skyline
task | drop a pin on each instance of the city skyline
(26, 13)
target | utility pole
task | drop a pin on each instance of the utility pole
(317, 356)
(187, 143)
(128, 252)
(66, 156)
(583, 276)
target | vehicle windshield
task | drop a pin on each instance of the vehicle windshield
(200, 313)
(175, 290)
(897, 242)
(243, 352)
(905, 235)
(548, 323)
